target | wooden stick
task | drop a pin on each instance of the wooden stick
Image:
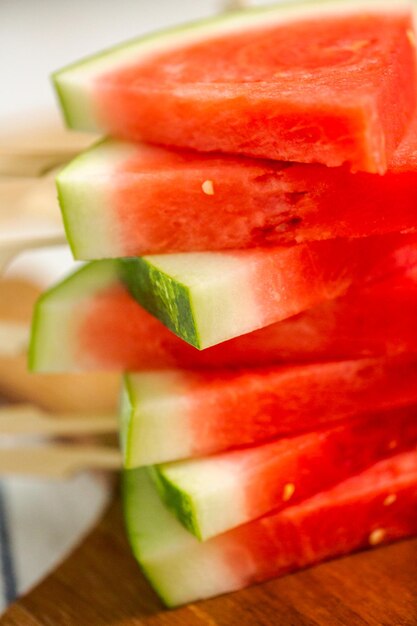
(35, 146)
(24, 419)
(234, 5)
(57, 460)
(21, 162)
(30, 196)
(10, 248)
(14, 338)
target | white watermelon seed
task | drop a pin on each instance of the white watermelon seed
(208, 187)
(377, 536)
(288, 491)
(411, 37)
(390, 499)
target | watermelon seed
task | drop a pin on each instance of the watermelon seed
(411, 37)
(376, 536)
(393, 444)
(288, 492)
(390, 499)
(208, 187)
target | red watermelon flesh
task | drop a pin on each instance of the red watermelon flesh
(271, 476)
(136, 200)
(89, 321)
(258, 203)
(346, 94)
(203, 413)
(207, 298)
(373, 508)
(115, 332)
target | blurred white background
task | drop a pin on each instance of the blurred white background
(39, 36)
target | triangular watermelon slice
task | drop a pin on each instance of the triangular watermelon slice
(177, 414)
(330, 82)
(211, 495)
(373, 508)
(90, 322)
(209, 297)
(121, 199)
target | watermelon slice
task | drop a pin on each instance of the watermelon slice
(269, 477)
(121, 199)
(89, 322)
(176, 414)
(373, 508)
(58, 311)
(330, 82)
(209, 297)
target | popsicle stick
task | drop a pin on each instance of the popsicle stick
(22, 419)
(234, 5)
(21, 162)
(31, 147)
(30, 197)
(57, 460)
(10, 248)
(14, 338)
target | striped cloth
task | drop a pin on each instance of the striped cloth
(40, 521)
(8, 582)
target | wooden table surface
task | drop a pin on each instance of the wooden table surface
(100, 584)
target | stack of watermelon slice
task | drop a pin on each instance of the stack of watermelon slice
(252, 232)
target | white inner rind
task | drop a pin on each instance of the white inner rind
(216, 488)
(180, 568)
(76, 82)
(158, 428)
(85, 193)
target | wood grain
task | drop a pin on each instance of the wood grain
(100, 584)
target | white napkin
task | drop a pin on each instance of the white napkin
(41, 520)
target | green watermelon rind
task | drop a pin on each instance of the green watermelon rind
(77, 103)
(177, 565)
(163, 296)
(35, 334)
(178, 501)
(129, 483)
(65, 207)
